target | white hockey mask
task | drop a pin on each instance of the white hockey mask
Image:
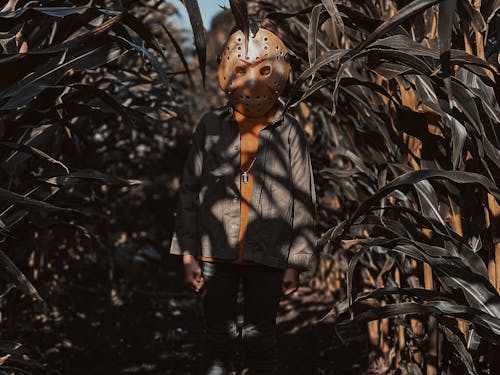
(253, 82)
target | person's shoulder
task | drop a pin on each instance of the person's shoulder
(215, 115)
(223, 110)
(294, 125)
(291, 120)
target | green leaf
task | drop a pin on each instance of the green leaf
(91, 175)
(54, 70)
(34, 151)
(447, 10)
(18, 277)
(312, 35)
(200, 41)
(401, 15)
(29, 203)
(178, 49)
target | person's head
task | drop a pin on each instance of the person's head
(255, 78)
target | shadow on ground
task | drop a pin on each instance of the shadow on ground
(149, 322)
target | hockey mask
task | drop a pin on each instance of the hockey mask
(253, 82)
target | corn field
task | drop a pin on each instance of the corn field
(400, 100)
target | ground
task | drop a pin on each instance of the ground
(150, 323)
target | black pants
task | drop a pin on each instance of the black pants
(261, 293)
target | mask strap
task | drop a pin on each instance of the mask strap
(289, 55)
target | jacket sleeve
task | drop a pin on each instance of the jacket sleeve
(186, 236)
(303, 254)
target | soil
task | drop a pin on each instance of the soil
(149, 322)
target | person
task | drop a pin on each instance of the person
(247, 203)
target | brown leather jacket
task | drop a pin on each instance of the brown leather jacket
(281, 218)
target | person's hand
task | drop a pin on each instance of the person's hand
(290, 281)
(193, 272)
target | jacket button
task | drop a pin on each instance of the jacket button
(236, 147)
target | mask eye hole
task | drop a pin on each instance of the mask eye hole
(240, 70)
(265, 70)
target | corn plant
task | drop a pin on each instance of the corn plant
(90, 101)
(400, 99)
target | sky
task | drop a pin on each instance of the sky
(208, 9)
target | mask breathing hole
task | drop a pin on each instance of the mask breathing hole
(240, 70)
(265, 70)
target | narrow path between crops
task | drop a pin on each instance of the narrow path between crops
(151, 324)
